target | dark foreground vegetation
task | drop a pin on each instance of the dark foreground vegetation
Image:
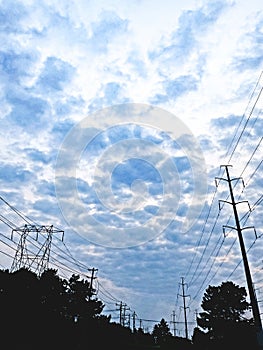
(48, 312)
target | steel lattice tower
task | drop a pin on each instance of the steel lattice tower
(30, 255)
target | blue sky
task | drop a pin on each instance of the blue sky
(115, 119)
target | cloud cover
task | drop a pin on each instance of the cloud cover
(63, 61)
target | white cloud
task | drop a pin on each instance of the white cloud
(62, 61)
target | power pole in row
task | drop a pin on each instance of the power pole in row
(252, 294)
(92, 278)
(173, 322)
(140, 323)
(120, 311)
(125, 308)
(196, 317)
(133, 321)
(184, 307)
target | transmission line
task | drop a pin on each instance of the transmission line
(243, 117)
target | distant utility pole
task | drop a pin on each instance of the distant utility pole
(196, 317)
(92, 278)
(120, 312)
(122, 307)
(140, 323)
(252, 294)
(173, 322)
(133, 321)
(184, 307)
(124, 313)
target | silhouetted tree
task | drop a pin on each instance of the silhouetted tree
(53, 292)
(161, 331)
(43, 307)
(223, 318)
(80, 306)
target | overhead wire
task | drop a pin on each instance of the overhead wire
(231, 155)
(20, 214)
(243, 117)
(240, 261)
(201, 236)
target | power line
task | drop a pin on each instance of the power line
(201, 236)
(250, 99)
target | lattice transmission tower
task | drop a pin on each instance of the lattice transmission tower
(33, 255)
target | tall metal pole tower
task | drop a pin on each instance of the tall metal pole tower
(184, 307)
(29, 255)
(252, 294)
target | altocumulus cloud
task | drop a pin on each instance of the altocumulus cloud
(61, 61)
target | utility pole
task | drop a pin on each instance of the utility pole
(184, 307)
(124, 313)
(173, 322)
(129, 320)
(133, 321)
(120, 310)
(140, 323)
(196, 317)
(252, 294)
(92, 278)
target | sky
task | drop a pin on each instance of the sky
(116, 118)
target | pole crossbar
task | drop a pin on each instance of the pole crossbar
(252, 294)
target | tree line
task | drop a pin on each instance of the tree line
(47, 311)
